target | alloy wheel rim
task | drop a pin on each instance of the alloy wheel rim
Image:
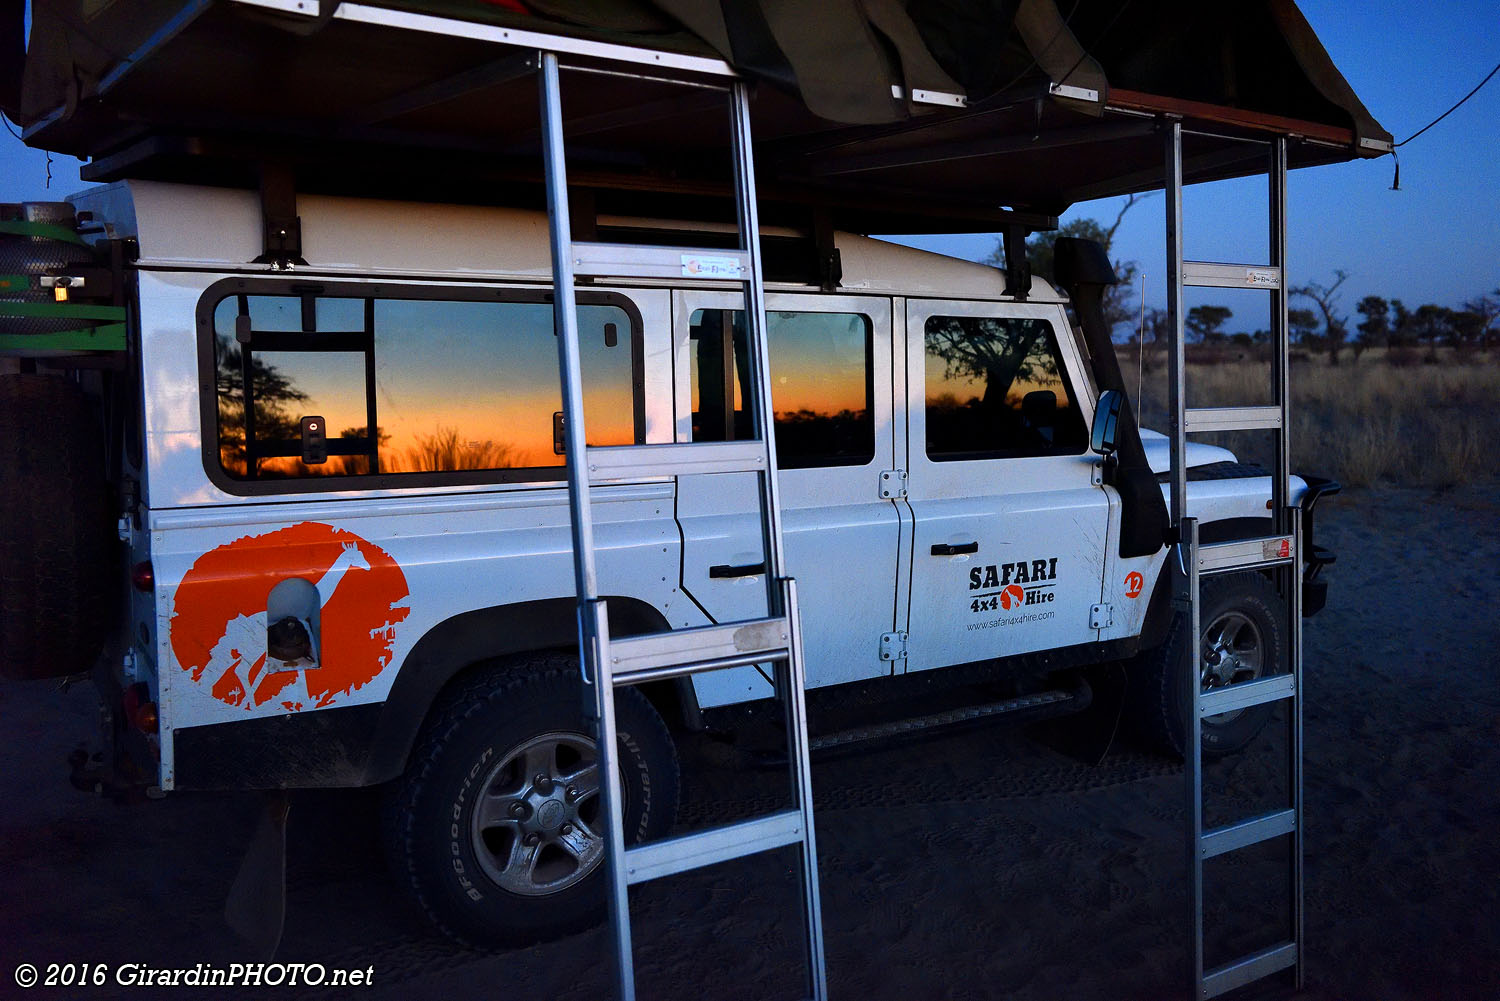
(537, 827)
(1232, 651)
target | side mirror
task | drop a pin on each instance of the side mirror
(1107, 421)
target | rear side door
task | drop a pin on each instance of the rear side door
(1010, 524)
(831, 393)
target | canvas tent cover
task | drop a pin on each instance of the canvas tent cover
(865, 106)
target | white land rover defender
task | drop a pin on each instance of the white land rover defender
(328, 507)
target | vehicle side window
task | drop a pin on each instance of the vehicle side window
(996, 388)
(449, 386)
(821, 384)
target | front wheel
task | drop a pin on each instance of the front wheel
(1242, 637)
(496, 828)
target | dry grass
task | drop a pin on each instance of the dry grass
(1361, 423)
(445, 449)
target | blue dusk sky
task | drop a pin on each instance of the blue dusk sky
(1435, 240)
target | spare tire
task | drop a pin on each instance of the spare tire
(55, 550)
(37, 238)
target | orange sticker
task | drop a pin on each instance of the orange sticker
(1134, 582)
(1012, 597)
(219, 625)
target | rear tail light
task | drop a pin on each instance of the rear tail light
(139, 710)
(143, 577)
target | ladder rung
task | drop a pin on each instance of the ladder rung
(1246, 694)
(717, 844)
(628, 260)
(642, 675)
(617, 463)
(700, 649)
(1245, 554)
(1248, 970)
(1230, 275)
(1247, 832)
(1231, 418)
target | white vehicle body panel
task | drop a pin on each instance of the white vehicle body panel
(841, 537)
(1024, 514)
(863, 561)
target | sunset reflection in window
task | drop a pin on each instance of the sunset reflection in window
(453, 384)
(820, 384)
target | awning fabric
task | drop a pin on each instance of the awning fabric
(1039, 93)
(842, 57)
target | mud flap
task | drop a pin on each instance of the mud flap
(1087, 736)
(256, 908)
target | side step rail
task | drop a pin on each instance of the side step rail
(1279, 555)
(775, 639)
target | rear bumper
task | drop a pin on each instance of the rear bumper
(1314, 557)
(125, 765)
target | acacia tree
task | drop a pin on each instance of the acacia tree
(1401, 328)
(1302, 324)
(273, 392)
(1486, 310)
(1375, 328)
(1430, 324)
(998, 351)
(1203, 323)
(1335, 324)
(1155, 324)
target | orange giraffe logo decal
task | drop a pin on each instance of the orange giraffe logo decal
(1012, 597)
(219, 622)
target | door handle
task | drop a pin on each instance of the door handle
(748, 570)
(961, 549)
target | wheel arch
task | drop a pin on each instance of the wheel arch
(473, 639)
(1159, 611)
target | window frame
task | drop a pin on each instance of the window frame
(226, 288)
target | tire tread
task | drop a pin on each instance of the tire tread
(54, 551)
(1150, 698)
(469, 695)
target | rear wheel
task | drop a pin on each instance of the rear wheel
(496, 828)
(1242, 637)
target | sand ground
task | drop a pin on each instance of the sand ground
(977, 864)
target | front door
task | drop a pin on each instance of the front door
(1010, 527)
(831, 393)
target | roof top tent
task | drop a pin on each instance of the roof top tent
(886, 119)
(867, 117)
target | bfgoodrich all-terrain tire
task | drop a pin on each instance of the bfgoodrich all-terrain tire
(1243, 636)
(495, 828)
(55, 536)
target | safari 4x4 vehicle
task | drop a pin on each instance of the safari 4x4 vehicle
(313, 604)
(293, 460)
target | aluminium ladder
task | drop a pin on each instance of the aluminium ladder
(1280, 553)
(608, 663)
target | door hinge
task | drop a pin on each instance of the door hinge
(893, 646)
(1101, 616)
(892, 483)
(1096, 474)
